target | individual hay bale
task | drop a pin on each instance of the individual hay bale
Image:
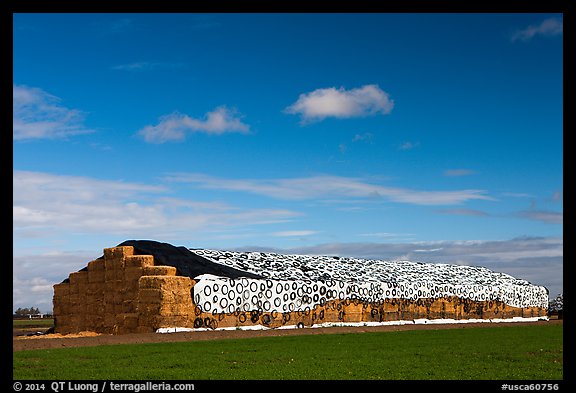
(95, 291)
(172, 320)
(150, 322)
(109, 320)
(146, 328)
(447, 308)
(320, 314)
(77, 322)
(436, 309)
(148, 308)
(77, 278)
(114, 292)
(109, 298)
(96, 265)
(95, 308)
(64, 325)
(159, 271)
(118, 253)
(333, 312)
(73, 303)
(371, 314)
(172, 309)
(63, 320)
(225, 320)
(138, 261)
(96, 276)
(352, 312)
(94, 322)
(114, 261)
(125, 323)
(150, 295)
(61, 291)
(131, 277)
(133, 273)
(61, 305)
(389, 305)
(169, 283)
(113, 274)
(129, 306)
(452, 307)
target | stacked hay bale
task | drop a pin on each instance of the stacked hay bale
(122, 293)
(142, 286)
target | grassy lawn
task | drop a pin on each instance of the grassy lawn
(494, 353)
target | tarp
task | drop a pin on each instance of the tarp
(186, 262)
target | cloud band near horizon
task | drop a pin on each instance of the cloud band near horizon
(326, 186)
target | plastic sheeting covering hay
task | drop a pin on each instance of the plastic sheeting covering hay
(142, 286)
(297, 282)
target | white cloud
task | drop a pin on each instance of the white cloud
(366, 137)
(408, 145)
(147, 66)
(176, 126)
(294, 233)
(34, 276)
(548, 28)
(317, 187)
(458, 172)
(547, 216)
(37, 114)
(49, 203)
(42, 200)
(464, 212)
(340, 103)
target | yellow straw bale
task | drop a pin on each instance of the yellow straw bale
(112, 274)
(95, 308)
(95, 290)
(78, 277)
(118, 252)
(133, 273)
(61, 289)
(139, 260)
(96, 276)
(159, 271)
(150, 295)
(164, 282)
(172, 321)
(96, 265)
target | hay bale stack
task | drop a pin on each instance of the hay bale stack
(141, 286)
(105, 296)
(164, 300)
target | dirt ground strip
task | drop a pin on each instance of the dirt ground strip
(49, 341)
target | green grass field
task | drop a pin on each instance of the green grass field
(495, 353)
(32, 323)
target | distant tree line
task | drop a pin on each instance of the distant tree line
(24, 312)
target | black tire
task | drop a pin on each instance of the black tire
(266, 319)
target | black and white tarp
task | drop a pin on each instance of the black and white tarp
(229, 281)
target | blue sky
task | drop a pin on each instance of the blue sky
(430, 137)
